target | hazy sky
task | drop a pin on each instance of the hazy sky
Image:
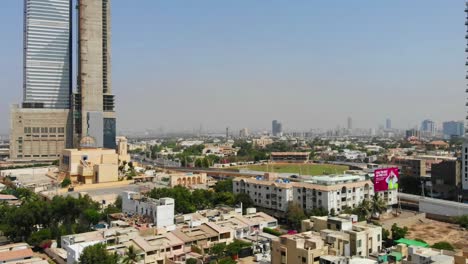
(178, 64)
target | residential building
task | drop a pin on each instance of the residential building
(290, 157)
(41, 127)
(411, 166)
(94, 102)
(329, 259)
(160, 211)
(152, 247)
(305, 248)
(331, 192)
(423, 255)
(453, 129)
(204, 235)
(19, 253)
(262, 142)
(88, 164)
(357, 238)
(268, 192)
(446, 179)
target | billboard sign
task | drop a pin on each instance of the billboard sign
(386, 179)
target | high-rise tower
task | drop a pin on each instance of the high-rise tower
(41, 125)
(464, 179)
(94, 103)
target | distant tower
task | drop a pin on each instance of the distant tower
(350, 123)
(388, 124)
(227, 133)
(274, 125)
(464, 179)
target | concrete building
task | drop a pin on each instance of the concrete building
(304, 248)
(428, 128)
(41, 127)
(204, 235)
(152, 247)
(413, 133)
(160, 211)
(187, 179)
(453, 129)
(290, 157)
(349, 123)
(357, 239)
(388, 124)
(331, 192)
(19, 253)
(122, 149)
(421, 255)
(38, 134)
(262, 142)
(90, 165)
(446, 179)
(411, 166)
(94, 102)
(276, 128)
(243, 133)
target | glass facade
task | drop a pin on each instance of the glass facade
(47, 53)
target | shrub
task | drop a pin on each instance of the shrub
(65, 183)
(271, 231)
(443, 245)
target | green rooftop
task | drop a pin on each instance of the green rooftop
(410, 242)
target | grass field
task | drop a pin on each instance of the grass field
(303, 169)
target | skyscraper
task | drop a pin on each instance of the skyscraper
(465, 143)
(453, 129)
(350, 123)
(41, 125)
(428, 127)
(276, 128)
(388, 124)
(94, 103)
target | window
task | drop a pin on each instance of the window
(61, 130)
(378, 238)
(359, 244)
(52, 130)
(44, 130)
(35, 130)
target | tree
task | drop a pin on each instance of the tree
(55, 162)
(131, 256)
(364, 210)
(398, 232)
(97, 254)
(295, 215)
(191, 261)
(223, 186)
(385, 234)
(65, 183)
(217, 250)
(443, 245)
(227, 261)
(236, 246)
(245, 200)
(378, 205)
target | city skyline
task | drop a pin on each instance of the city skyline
(269, 72)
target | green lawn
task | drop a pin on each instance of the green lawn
(303, 169)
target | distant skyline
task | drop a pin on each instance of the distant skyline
(310, 64)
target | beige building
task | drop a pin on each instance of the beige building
(122, 149)
(38, 134)
(90, 165)
(306, 248)
(262, 142)
(346, 237)
(187, 179)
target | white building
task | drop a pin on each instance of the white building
(331, 192)
(161, 211)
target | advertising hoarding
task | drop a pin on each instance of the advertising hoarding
(386, 179)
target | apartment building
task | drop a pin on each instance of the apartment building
(331, 192)
(204, 235)
(306, 248)
(161, 211)
(411, 166)
(266, 191)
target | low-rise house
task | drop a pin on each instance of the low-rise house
(18, 253)
(306, 248)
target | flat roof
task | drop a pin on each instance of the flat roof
(290, 153)
(410, 242)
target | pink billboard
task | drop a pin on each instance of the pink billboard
(386, 179)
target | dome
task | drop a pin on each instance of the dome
(87, 142)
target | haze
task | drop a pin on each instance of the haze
(311, 64)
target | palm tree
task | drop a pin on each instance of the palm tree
(378, 205)
(131, 256)
(364, 209)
